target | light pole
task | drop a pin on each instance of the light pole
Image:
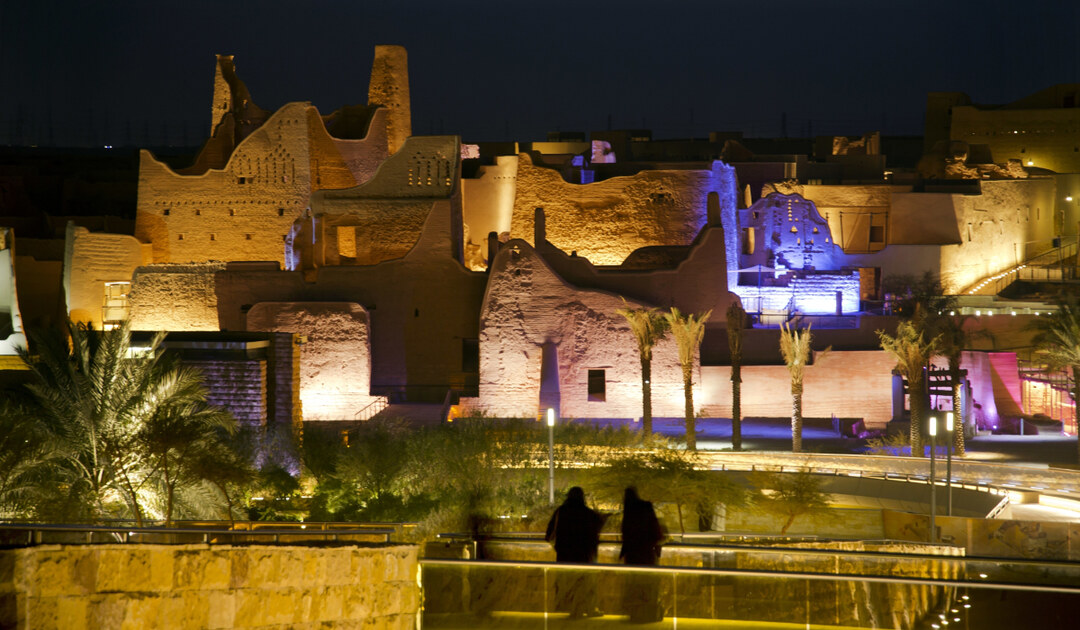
(551, 455)
(933, 484)
(949, 428)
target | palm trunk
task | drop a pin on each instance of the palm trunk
(646, 396)
(915, 388)
(796, 420)
(958, 418)
(736, 408)
(688, 410)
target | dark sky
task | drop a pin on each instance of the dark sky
(106, 71)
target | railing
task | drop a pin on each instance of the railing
(477, 593)
(46, 533)
(372, 409)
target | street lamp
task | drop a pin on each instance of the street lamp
(949, 428)
(551, 455)
(933, 484)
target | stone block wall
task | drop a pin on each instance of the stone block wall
(72, 587)
(239, 386)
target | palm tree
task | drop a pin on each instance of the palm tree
(110, 409)
(795, 347)
(689, 330)
(649, 327)
(912, 352)
(953, 341)
(736, 318)
(1057, 338)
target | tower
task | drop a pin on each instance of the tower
(389, 87)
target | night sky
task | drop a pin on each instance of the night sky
(109, 72)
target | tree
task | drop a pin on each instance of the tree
(649, 327)
(795, 347)
(912, 353)
(26, 459)
(110, 409)
(1057, 339)
(736, 318)
(669, 476)
(688, 330)
(953, 341)
(790, 495)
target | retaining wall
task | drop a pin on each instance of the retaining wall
(203, 586)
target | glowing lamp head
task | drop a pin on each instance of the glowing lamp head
(550, 417)
(933, 425)
(949, 421)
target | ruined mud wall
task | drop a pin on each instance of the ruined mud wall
(382, 219)
(606, 221)
(527, 305)
(389, 87)
(175, 297)
(244, 211)
(335, 355)
(92, 259)
(72, 587)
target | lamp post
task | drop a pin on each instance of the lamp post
(551, 455)
(933, 484)
(949, 428)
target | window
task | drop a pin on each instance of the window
(281, 212)
(597, 386)
(877, 233)
(470, 355)
(213, 237)
(166, 213)
(232, 212)
(247, 237)
(198, 212)
(179, 237)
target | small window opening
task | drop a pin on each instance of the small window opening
(198, 212)
(597, 386)
(247, 237)
(166, 212)
(179, 237)
(281, 212)
(213, 237)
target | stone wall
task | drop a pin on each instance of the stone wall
(175, 297)
(1045, 137)
(201, 586)
(335, 356)
(849, 384)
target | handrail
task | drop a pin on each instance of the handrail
(372, 409)
(668, 570)
(209, 536)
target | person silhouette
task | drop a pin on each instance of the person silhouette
(642, 536)
(574, 529)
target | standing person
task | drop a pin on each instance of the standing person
(642, 536)
(575, 531)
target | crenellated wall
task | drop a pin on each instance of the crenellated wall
(76, 587)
